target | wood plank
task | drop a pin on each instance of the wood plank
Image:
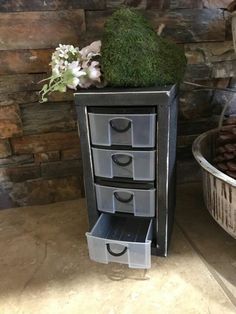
(61, 168)
(44, 191)
(21, 97)
(157, 4)
(30, 97)
(10, 121)
(20, 82)
(41, 5)
(5, 148)
(210, 52)
(17, 160)
(216, 3)
(69, 154)
(221, 83)
(57, 97)
(40, 29)
(198, 72)
(208, 71)
(46, 142)
(182, 25)
(48, 117)
(185, 4)
(142, 4)
(224, 69)
(187, 25)
(25, 61)
(217, 70)
(95, 21)
(19, 173)
(47, 156)
(194, 105)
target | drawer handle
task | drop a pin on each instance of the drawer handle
(123, 200)
(117, 129)
(115, 254)
(120, 163)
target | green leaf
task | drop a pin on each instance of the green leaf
(61, 88)
(68, 77)
(45, 87)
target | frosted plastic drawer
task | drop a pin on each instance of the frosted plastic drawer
(138, 165)
(135, 201)
(136, 130)
(125, 240)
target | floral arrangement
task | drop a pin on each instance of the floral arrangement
(131, 54)
(72, 67)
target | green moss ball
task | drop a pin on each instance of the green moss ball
(133, 55)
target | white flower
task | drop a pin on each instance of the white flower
(56, 71)
(85, 82)
(72, 67)
(75, 69)
(75, 82)
(73, 50)
(94, 72)
(94, 64)
(63, 51)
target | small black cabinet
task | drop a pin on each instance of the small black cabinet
(128, 143)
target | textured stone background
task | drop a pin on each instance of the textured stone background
(40, 158)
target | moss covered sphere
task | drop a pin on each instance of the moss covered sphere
(133, 55)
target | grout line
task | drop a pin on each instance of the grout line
(213, 272)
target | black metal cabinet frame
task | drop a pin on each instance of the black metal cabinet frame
(164, 100)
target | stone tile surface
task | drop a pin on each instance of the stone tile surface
(45, 268)
(214, 245)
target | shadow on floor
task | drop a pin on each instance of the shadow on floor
(212, 243)
(5, 200)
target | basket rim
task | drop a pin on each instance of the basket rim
(204, 163)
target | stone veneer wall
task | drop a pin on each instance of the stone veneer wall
(40, 158)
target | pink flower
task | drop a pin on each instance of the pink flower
(94, 72)
(92, 50)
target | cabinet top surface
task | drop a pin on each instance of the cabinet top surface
(144, 90)
(126, 97)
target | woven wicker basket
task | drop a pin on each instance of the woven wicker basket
(219, 189)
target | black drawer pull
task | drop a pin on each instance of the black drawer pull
(116, 254)
(123, 200)
(117, 129)
(120, 163)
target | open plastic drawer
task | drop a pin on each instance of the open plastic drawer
(125, 240)
(137, 165)
(136, 130)
(135, 201)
